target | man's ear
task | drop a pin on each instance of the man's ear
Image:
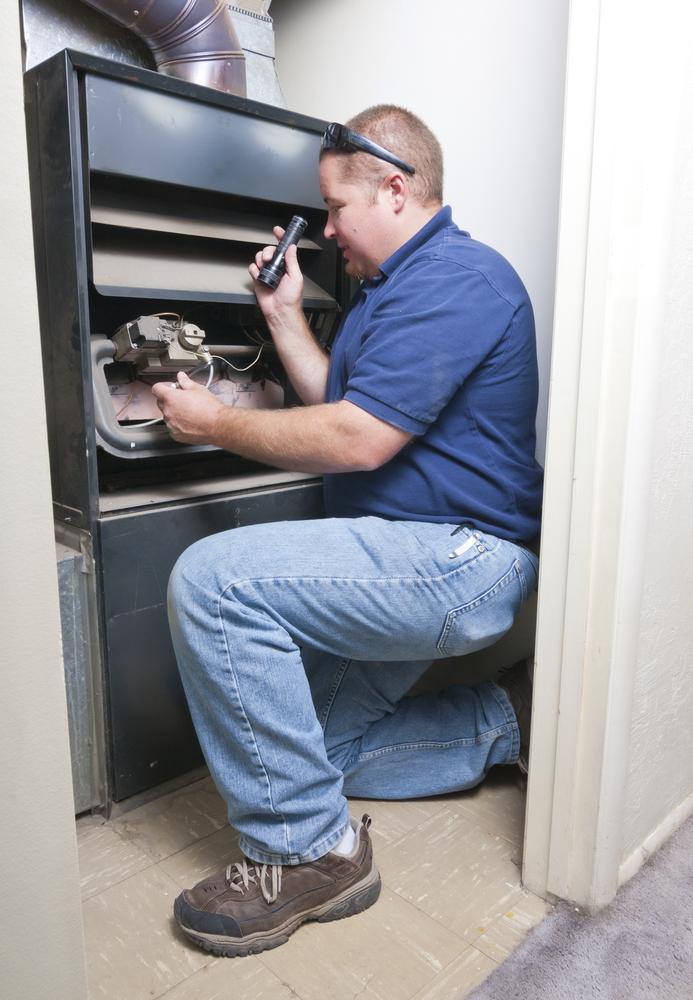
(397, 190)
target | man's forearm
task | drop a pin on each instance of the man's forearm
(303, 439)
(304, 361)
(326, 437)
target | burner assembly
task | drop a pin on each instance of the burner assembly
(155, 348)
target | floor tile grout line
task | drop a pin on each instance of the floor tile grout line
(131, 841)
(516, 863)
(141, 871)
(441, 973)
(487, 828)
(496, 963)
(201, 840)
(127, 841)
(492, 957)
(170, 879)
(428, 916)
(217, 960)
(441, 923)
(470, 808)
(468, 947)
(119, 881)
(467, 814)
(293, 992)
(396, 843)
(523, 933)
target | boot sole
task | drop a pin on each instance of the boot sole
(353, 900)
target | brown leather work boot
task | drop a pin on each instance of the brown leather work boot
(251, 907)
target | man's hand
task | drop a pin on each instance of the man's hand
(191, 412)
(303, 359)
(286, 298)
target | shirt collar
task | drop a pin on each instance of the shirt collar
(440, 220)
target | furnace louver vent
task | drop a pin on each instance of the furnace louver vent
(152, 265)
(132, 211)
(163, 247)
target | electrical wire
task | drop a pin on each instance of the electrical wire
(126, 403)
(212, 357)
(148, 423)
(247, 367)
(256, 337)
(160, 420)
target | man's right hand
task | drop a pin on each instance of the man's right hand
(304, 361)
(287, 297)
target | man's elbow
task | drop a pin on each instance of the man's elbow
(367, 443)
(367, 455)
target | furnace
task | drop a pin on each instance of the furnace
(150, 197)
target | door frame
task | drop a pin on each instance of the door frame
(622, 129)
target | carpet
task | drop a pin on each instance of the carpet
(640, 947)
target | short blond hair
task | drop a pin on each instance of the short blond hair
(404, 134)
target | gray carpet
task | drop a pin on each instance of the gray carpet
(638, 948)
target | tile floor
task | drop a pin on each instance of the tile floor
(451, 908)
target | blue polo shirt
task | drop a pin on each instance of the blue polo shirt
(441, 344)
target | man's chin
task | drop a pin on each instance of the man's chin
(353, 270)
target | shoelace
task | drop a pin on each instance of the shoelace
(240, 879)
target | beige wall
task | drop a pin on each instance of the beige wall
(41, 952)
(488, 79)
(660, 775)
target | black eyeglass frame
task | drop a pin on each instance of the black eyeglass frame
(338, 136)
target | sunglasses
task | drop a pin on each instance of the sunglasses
(340, 137)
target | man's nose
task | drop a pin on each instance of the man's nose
(329, 231)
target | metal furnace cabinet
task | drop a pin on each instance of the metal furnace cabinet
(149, 198)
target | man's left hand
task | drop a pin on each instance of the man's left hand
(191, 412)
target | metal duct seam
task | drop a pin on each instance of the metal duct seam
(193, 40)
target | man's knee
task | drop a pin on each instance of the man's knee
(208, 567)
(194, 573)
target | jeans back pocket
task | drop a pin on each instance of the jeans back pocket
(483, 620)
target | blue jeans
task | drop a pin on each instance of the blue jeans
(297, 643)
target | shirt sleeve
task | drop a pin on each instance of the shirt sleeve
(435, 324)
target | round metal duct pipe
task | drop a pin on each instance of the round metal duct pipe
(193, 40)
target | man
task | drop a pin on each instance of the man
(297, 642)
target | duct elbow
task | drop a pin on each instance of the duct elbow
(192, 40)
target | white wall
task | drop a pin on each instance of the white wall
(41, 952)
(488, 79)
(660, 774)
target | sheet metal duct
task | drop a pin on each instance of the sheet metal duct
(193, 40)
(49, 26)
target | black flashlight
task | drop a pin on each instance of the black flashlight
(271, 274)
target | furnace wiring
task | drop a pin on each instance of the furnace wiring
(212, 358)
(247, 368)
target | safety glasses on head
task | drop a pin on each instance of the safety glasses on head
(338, 136)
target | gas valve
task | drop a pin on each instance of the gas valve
(160, 344)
